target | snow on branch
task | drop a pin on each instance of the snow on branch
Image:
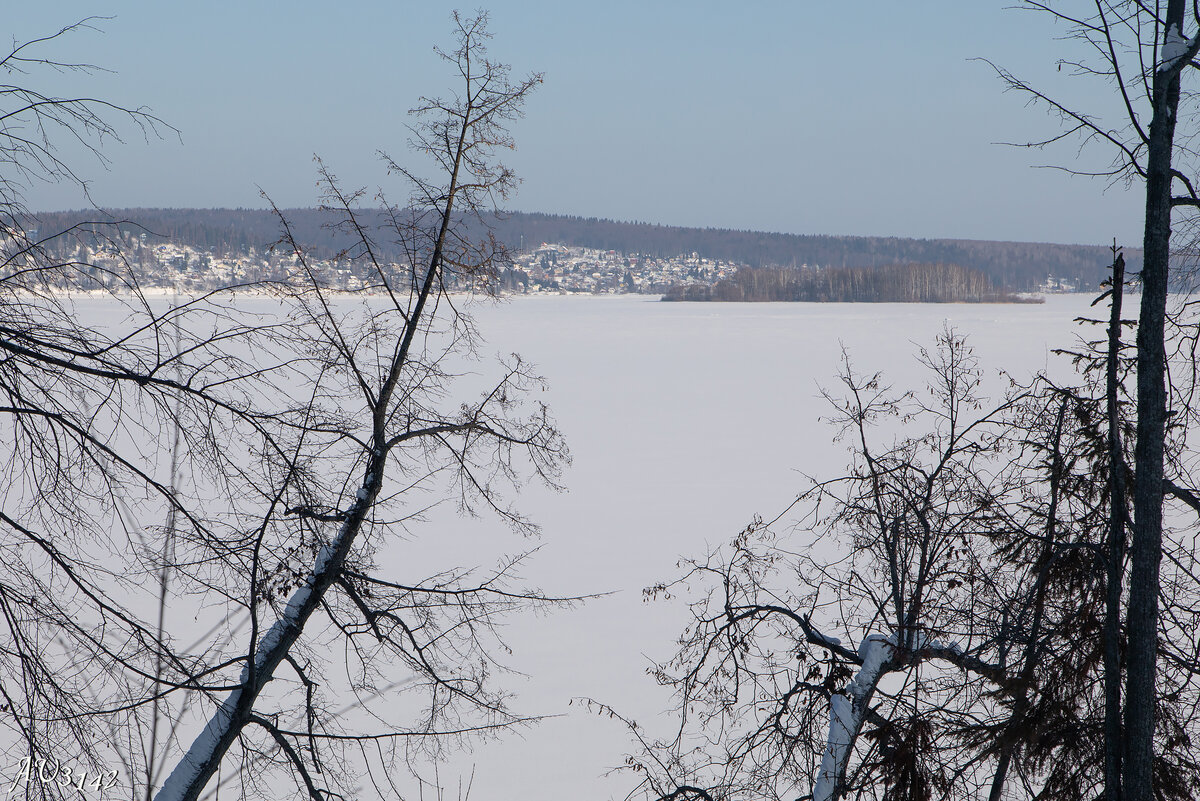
(848, 709)
(1177, 49)
(200, 760)
(877, 655)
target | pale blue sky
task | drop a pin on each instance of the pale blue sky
(795, 116)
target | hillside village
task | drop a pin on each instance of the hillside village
(549, 268)
(546, 269)
(575, 250)
(563, 269)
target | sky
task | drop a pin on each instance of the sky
(799, 117)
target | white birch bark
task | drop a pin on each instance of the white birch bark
(848, 710)
(213, 741)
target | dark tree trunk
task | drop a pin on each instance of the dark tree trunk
(1115, 547)
(1146, 550)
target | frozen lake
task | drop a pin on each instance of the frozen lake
(684, 421)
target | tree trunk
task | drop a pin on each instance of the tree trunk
(847, 711)
(1115, 547)
(1146, 550)
(202, 759)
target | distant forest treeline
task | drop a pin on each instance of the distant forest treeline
(1016, 266)
(894, 283)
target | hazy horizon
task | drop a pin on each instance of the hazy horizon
(772, 117)
(1136, 247)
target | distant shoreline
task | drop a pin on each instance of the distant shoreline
(1008, 300)
(249, 291)
(1019, 266)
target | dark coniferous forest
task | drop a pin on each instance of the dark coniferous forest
(894, 283)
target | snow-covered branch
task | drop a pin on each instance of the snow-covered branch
(200, 761)
(847, 711)
(1177, 49)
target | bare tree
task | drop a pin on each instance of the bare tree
(1143, 50)
(313, 437)
(34, 126)
(945, 637)
(39, 333)
(390, 368)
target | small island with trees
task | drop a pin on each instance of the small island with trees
(893, 283)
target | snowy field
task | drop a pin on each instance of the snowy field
(684, 421)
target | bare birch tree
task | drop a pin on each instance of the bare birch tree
(313, 438)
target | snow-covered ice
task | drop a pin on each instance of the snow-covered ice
(684, 421)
